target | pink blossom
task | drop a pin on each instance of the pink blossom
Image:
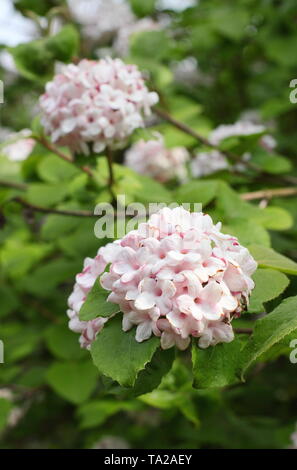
(95, 104)
(177, 276)
(152, 158)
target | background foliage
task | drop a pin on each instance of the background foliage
(52, 394)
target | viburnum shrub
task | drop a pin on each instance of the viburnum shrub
(176, 276)
(95, 102)
(163, 185)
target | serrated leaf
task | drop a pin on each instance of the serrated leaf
(216, 366)
(269, 284)
(118, 355)
(269, 331)
(268, 258)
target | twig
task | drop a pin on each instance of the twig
(182, 127)
(10, 184)
(244, 331)
(188, 130)
(48, 210)
(269, 193)
(110, 171)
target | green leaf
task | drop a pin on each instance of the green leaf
(269, 331)
(273, 218)
(38, 7)
(150, 378)
(151, 191)
(151, 44)
(128, 357)
(64, 45)
(230, 21)
(268, 258)
(216, 366)
(269, 284)
(56, 225)
(32, 60)
(5, 408)
(35, 59)
(45, 279)
(9, 300)
(197, 191)
(247, 232)
(46, 194)
(271, 163)
(95, 413)
(63, 343)
(96, 304)
(18, 258)
(142, 8)
(73, 381)
(53, 169)
(163, 399)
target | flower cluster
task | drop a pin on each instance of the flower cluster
(206, 163)
(152, 158)
(95, 102)
(239, 128)
(176, 276)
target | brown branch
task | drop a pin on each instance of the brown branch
(182, 127)
(47, 210)
(110, 168)
(188, 130)
(10, 184)
(244, 331)
(111, 179)
(269, 193)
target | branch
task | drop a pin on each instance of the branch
(10, 184)
(182, 127)
(244, 331)
(188, 130)
(269, 193)
(110, 169)
(47, 210)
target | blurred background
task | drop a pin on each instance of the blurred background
(212, 62)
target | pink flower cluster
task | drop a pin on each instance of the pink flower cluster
(176, 276)
(152, 158)
(95, 102)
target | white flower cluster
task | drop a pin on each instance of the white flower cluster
(95, 102)
(206, 163)
(152, 158)
(177, 276)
